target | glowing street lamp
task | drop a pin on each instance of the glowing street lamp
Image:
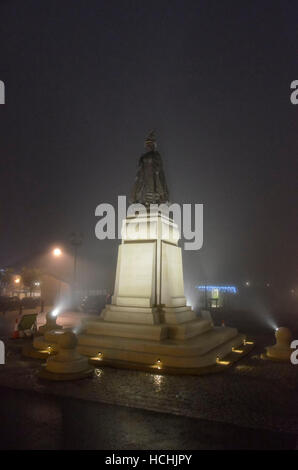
(57, 252)
(17, 280)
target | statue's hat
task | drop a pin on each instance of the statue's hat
(150, 142)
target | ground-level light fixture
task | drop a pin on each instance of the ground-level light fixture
(245, 342)
(238, 351)
(97, 357)
(221, 362)
(55, 312)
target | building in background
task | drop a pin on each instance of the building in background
(54, 290)
(216, 296)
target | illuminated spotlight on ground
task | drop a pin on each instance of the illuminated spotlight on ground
(245, 342)
(55, 312)
(158, 364)
(76, 329)
(271, 323)
(222, 362)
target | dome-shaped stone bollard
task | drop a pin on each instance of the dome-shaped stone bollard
(50, 324)
(45, 343)
(67, 364)
(281, 351)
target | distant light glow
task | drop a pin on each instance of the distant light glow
(55, 312)
(17, 280)
(247, 283)
(230, 289)
(57, 252)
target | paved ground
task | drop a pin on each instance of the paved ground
(43, 421)
(252, 405)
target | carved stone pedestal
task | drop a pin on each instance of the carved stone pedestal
(148, 321)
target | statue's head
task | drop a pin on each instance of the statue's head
(150, 142)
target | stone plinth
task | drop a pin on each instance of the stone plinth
(149, 321)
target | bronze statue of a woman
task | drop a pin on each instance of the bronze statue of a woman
(150, 185)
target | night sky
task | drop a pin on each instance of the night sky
(86, 81)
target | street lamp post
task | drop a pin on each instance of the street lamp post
(76, 240)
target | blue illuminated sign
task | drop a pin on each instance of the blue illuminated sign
(230, 289)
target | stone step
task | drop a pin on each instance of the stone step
(176, 309)
(172, 354)
(175, 317)
(189, 329)
(196, 346)
(133, 316)
(126, 330)
(121, 308)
